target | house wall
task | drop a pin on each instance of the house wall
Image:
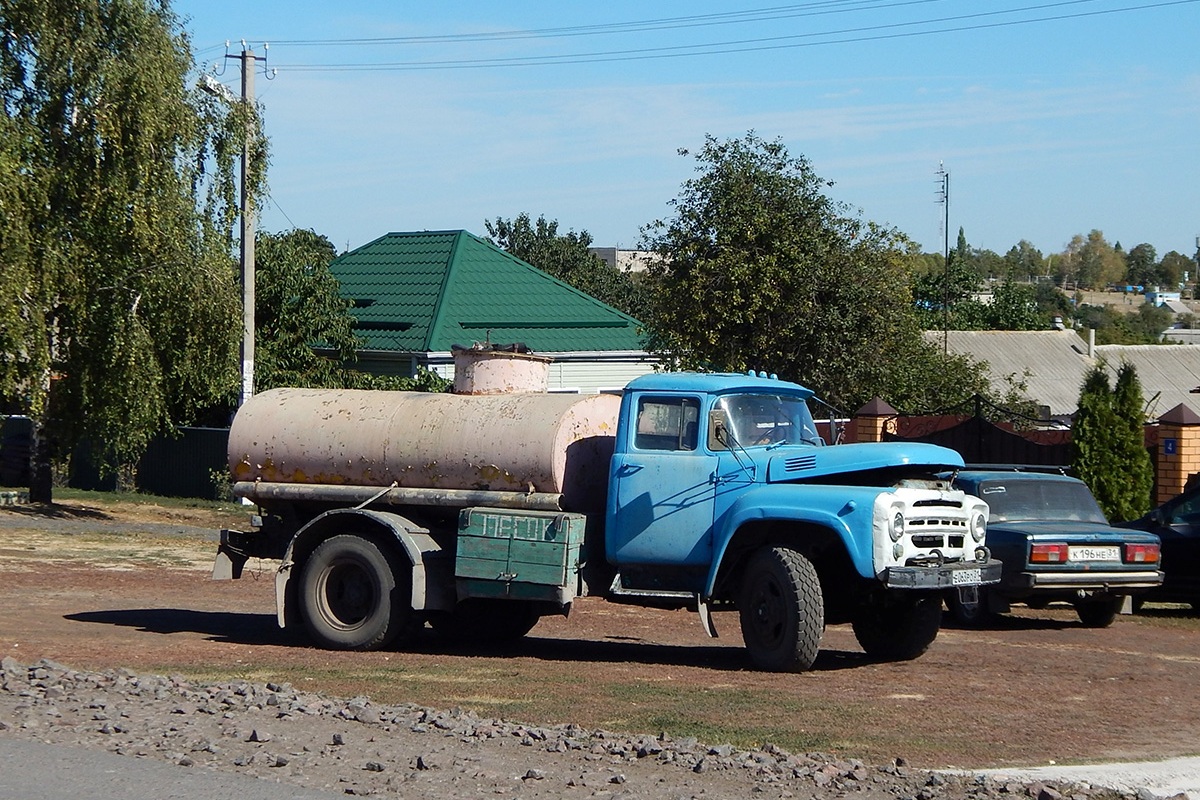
(574, 372)
(584, 373)
(588, 377)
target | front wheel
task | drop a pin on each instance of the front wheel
(782, 610)
(899, 630)
(1098, 613)
(354, 595)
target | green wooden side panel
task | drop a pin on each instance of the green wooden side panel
(517, 547)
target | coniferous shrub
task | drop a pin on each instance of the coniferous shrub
(1109, 443)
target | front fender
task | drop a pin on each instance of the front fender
(418, 547)
(847, 511)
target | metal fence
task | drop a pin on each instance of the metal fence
(173, 466)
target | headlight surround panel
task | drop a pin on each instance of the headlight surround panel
(915, 526)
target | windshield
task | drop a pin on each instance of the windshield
(767, 419)
(1026, 499)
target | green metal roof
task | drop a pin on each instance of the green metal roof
(424, 291)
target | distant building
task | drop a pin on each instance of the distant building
(624, 260)
(1158, 298)
(1052, 365)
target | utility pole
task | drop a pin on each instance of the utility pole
(944, 199)
(248, 60)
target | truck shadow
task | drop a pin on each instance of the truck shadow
(261, 629)
(622, 650)
(1004, 622)
(217, 626)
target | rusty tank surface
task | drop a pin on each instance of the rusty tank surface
(532, 442)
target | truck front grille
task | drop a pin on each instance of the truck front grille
(928, 541)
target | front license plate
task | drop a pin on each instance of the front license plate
(1094, 553)
(966, 577)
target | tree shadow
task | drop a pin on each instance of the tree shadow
(56, 511)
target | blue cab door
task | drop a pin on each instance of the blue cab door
(662, 484)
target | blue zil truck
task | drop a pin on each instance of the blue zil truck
(477, 515)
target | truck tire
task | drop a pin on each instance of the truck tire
(1098, 612)
(486, 621)
(782, 610)
(353, 595)
(900, 630)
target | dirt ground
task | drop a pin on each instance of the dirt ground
(101, 590)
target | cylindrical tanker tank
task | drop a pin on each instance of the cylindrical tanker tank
(555, 443)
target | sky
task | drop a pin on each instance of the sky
(1051, 118)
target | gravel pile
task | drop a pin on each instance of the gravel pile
(357, 747)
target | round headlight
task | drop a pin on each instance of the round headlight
(896, 529)
(978, 527)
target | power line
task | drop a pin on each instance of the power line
(847, 36)
(667, 23)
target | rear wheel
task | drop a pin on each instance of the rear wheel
(900, 629)
(486, 621)
(1098, 612)
(782, 610)
(353, 594)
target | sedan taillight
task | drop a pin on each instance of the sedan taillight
(1048, 553)
(1141, 553)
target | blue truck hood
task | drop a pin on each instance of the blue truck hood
(804, 462)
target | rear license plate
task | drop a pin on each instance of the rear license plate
(966, 577)
(1081, 553)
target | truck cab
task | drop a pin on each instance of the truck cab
(720, 484)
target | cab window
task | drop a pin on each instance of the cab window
(757, 420)
(667, 423)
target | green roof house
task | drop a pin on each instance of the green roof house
(417, 294)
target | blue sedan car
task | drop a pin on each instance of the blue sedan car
(1056, 546)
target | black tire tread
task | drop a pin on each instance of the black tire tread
(798, 648)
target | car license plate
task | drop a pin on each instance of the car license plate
(1081, 553)
(966, 577)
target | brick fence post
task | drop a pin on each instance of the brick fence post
(869, 421)
(1178, 454)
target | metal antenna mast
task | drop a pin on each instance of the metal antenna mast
(944, 200)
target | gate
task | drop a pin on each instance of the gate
(986, 434)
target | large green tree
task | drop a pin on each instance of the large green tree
(118, 182)
(304, 331)
(1144, 326)
(1141, 266)
(1024, 262)
(1173, 267)
(567, 257)
(759, 269)
(1091, 262)
(297, 305)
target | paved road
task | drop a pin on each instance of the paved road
(37, 771)
(1159, 778)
